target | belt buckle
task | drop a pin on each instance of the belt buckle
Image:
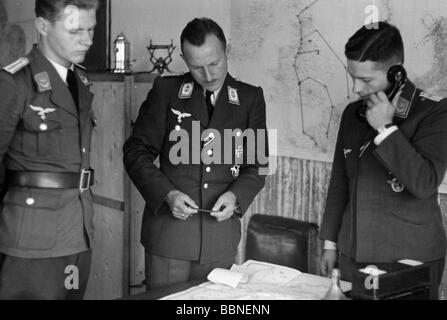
(84, 182)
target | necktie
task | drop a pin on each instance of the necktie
(73, 86)
(209, 104)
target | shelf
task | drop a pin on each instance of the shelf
(117, 77)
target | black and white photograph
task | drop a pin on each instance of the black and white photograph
(224, 155)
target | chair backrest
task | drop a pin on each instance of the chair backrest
(282, 241)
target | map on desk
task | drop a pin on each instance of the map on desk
(265, 282)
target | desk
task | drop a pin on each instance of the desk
(157, 294)
(266, 282)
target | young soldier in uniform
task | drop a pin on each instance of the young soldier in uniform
(46, 123)
(182, 241)
(390, 159)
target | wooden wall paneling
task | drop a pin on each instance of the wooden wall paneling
(106, 277)
(128, 102)
(136, 209)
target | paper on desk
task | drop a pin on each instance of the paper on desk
(373, 271)
(261, 272)
(227, 277)
(409, 262)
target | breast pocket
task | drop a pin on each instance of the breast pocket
(42, 138)
(29, 219)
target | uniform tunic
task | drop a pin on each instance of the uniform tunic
(177, 104)
(41, 130)
(382, 204)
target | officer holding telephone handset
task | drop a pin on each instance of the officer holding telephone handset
(389, 161)
(397, 77)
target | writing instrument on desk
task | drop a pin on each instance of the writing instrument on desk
(205, 211)
(201, 210)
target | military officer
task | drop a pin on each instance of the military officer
(46, 122)
(191, 222)
(390, 159)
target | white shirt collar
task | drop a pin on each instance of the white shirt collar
(61, 70)
(214, 96)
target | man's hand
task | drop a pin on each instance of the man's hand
(380, 110)
(182, 206)
(227, 201)
(328, 261)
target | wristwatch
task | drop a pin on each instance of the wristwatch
(383, 128)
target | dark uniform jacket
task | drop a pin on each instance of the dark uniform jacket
(390, 191)
(42, 131)
(201, 238)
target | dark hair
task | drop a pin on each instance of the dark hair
(380, 44)
(50, 9)
(196, 31)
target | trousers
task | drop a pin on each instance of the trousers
(63, 278)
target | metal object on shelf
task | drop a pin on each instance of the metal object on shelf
(161, 64)
(122, 55)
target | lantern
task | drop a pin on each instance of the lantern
(122, 54)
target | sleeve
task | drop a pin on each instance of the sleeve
(9, 115)
(419, 163)
(144, 146)
(250, 181)
(338, 192)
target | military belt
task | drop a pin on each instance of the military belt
(51, 180)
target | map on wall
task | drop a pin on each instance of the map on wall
(298, 49)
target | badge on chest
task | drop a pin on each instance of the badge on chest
(42, 113)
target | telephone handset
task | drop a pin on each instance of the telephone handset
(397, 76)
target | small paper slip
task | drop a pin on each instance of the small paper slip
(227, 277)
(373, 271)
(410, 262)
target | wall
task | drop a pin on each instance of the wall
(154, 24)
(12, 38)
(21, 12)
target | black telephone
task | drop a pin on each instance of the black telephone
(397, 75)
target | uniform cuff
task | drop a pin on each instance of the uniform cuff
(379, 139)
(329, 245)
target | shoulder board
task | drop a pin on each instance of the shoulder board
(430, 96)
(17, 65)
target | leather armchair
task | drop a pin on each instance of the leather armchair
(283, 241)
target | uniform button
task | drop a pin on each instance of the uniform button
(208, 169)
(30, 201)
(43, 127)
(84, 150)
(206, 186)
(177, 128)
(210, 152)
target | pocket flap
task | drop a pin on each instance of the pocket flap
(32, 198)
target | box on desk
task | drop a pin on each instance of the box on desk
(395, 281)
